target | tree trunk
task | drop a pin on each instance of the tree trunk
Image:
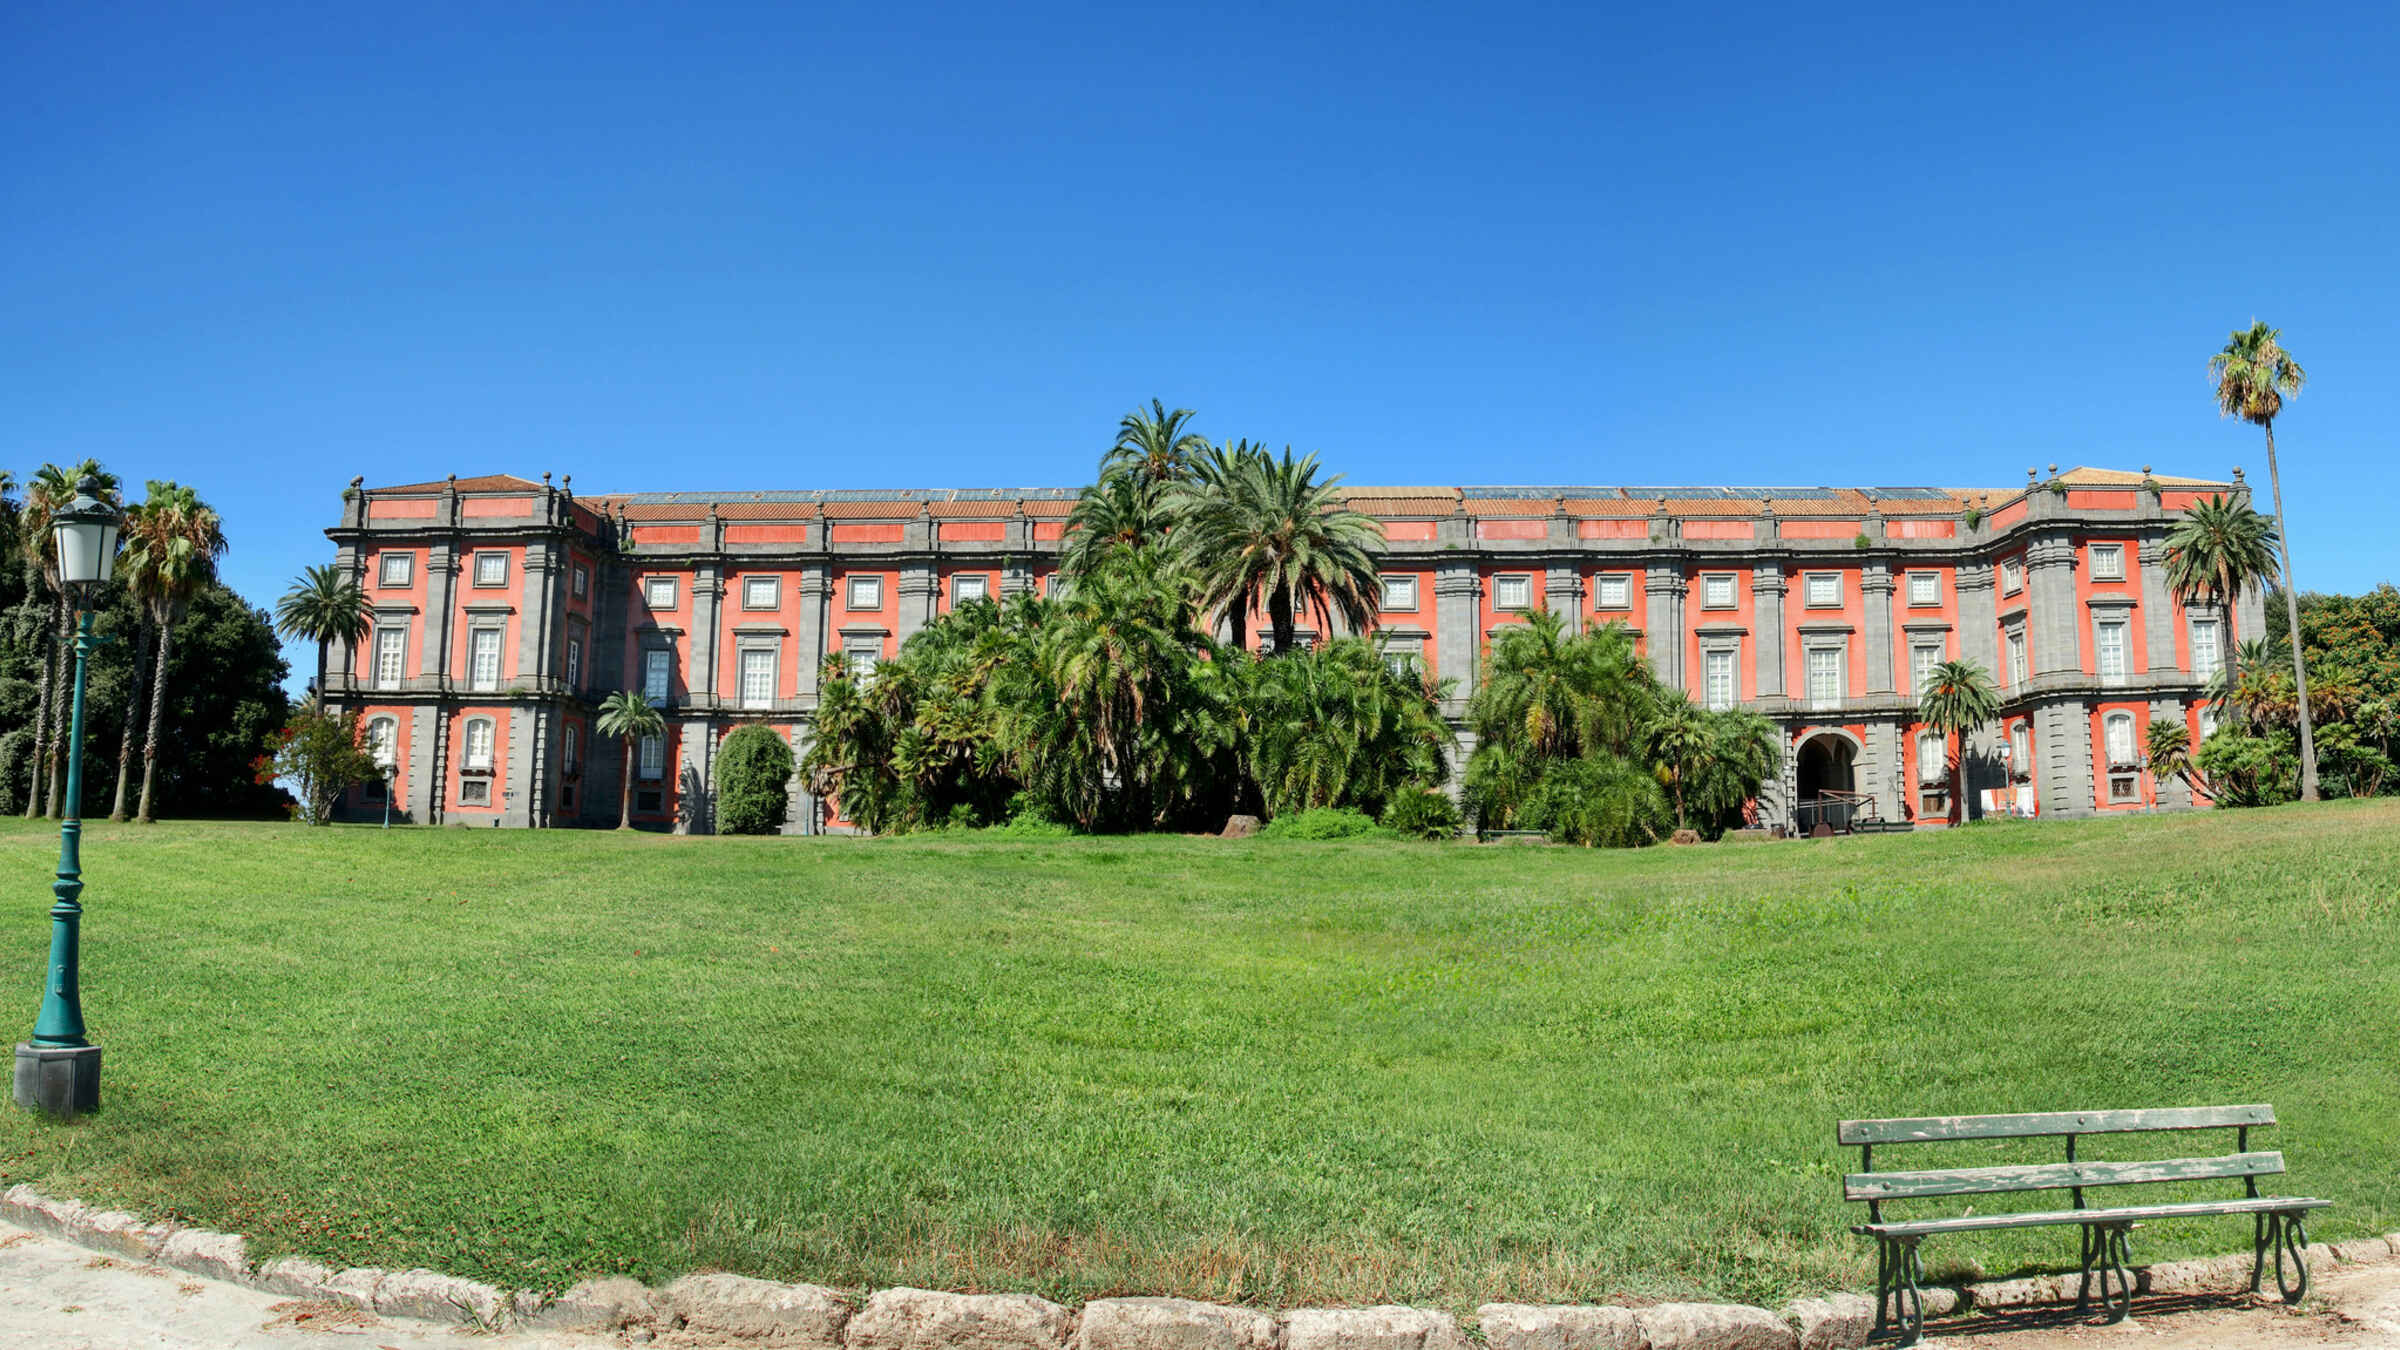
(1958, 781)
(1240, 614)
(625, 790)
(158, 714)
(321, 645)
(63, 653)
(2291, 610)
(1279, 613)
(133, 718)
(37, 752)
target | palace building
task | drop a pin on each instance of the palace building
(505, 609)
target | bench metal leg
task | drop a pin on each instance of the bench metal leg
(2284, 1234)
(1899, 1292)
(2108, 1261)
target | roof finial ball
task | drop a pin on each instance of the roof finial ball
(358, 480)
(2237, 473)
(2054, 469)
(2145, 471)
(2031, 473)
(545, 478)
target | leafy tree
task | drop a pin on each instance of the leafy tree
(223, 692)
(2253, 375)
(1958, 699)
(49, 490)
(1337, 726)
(1268, 528)
(1683, 742)
(2249, 769)
(324, 606)
(627, 715)
(754, 781)
(319, 753)
(2215, 549)
(181, 541)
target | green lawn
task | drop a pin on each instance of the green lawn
(1274, 1072)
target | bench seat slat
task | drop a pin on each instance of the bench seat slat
(1923, 1129)
(2125, 1214)
(2053, 1176)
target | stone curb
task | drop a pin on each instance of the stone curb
(764, 1313)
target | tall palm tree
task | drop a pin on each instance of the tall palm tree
(2253, 375)
(1958, 698)
(629, 716)
(1217, 475)
(1157, 445)
(50, 488)
(184, 536)
(139, 570)
(1123, 510)
(2217, 548)
(1273, 530)
(324, 607)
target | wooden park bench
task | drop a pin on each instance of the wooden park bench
(1534, 836)
(1899, 1301)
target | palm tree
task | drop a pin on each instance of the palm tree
(139, 569)
(325, 607)
(2169, 746)
(2218, 547)
(184, 538)
(1208, 495)
(1123, 510)
(1958, 698)
(1273, 530)
(50, 488)
(1156, 445)
(1683, 742)
(628, 715)
(2253, 375)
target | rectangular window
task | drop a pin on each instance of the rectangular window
(1933, 752)
(2016, 657)
(2108, 562)
(2118, 733)
(1615, 593)
(475, 792)
(1716, 592)
(479, 744)
(1717, 682)
(1924, 589)
(574, 663)
(491, 569)
(2012, 577)
(391, 645)
(570, 744)
(583, 581)
(398, 568)
(2205, 656)
(761, 592)
(968, 586)
(649, 802)
(483, 660)
(2111, 643)
(2124, 787)
(653, 756)
(659, 592)
(862, 653)
(1512, 593)
(1401, 661)
(2208, 721)
(1824, 676)
(1923, 657)
(383, 736)
(866, 593)
(1824, 590)
(758, 678)
(2020, 749)
(657, 664)
(1400, 595)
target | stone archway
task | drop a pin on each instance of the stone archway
(1825, 762)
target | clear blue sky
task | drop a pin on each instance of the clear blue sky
(692, 246)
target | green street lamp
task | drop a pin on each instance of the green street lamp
(58, 1071)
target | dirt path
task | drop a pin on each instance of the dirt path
(2354, 1307)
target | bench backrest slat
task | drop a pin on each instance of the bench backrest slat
(1926, 1129)
(2053, 1176)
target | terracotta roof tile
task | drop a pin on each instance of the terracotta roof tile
(1919, 506)
(1713, 506)
(1610, 506)
(490, 482)
(664, 511)
(1844, 504)
(1404, 506)
(2085, 476)
(978, 510)
(1049, 509)
(874, 510)
(765, 510)
(1511, 506)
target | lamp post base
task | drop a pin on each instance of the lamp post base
(58, 1080)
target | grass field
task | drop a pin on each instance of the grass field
(1273, 1072)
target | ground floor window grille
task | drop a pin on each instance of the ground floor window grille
(649, 801)
(2124, 787)
(475, 792)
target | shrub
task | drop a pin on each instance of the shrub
(1330, 822)
(754, 781)
(319, 754)
(1599, 802)
(1422, 813)
(1032, 825)
(1862, 541)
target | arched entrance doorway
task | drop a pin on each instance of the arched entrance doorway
(1827, 782)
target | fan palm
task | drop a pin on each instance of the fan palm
(1268, 528)
(2169, 746)
(1123, 510)
(1157, 446)
(182, 539)
(2253, 374)
(1552, 696)
(324, 606)
(1682, 742)
(1958, 698)
(2215, 549)
(51, 488)
(627, 715)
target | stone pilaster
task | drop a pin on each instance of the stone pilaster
(1879, 769)
(2172, 790)
(432, 645)
(1875, 598)
(1663, 588)
(708, 597)
(696, 753)
(920, 598)
(1457, 608)
(1767, 589)
(2158, 608)
(1978, 618)
(2054, 618)
(2063, 758)
(1562, 589)
(808, 644)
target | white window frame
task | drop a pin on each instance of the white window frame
(1399, 595)
(2216, 649)
(2100, 648)
(653, 588)
(650, 758)
(758, 676)
(863, 594)
(2108, 747)
(583, 581)
(772, 589)
(574, 663)
(1810, 581)
(860, 656)
(1710, 582)
(2012, 645)
(2114, 569)
(482, 642)
(1502, 584)
(959, 583)
(570, 750)
(658, 674)
(407, 569)
(1727, 662)
(391, 656)
(1840, 662)
(1919, 669)
(470, 756)
(491, 567)
(1622, 582)
(2208, 720)
(2020, 749)
(383, 742)
(1404, 662)
(1933, 758)
(1924, 590)
(2012, 576)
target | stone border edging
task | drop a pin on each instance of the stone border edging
(817, 1318)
